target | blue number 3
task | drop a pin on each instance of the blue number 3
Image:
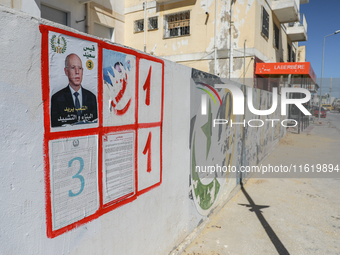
(77, 175)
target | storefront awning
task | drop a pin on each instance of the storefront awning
(295, 68)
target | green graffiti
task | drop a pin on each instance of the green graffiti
(204, 194)
(206, 91)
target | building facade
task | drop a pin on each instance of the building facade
(101, 18)
(210, 35)
(223, 37)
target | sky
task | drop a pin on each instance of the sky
(323, 18)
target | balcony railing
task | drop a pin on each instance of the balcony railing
(297, 31)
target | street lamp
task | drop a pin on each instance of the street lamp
(323, 57)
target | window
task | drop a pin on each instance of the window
(153, 23)
(265, 23)
(177, 24)
(289, 53)
(139, 25)
(54, 15)
(276, 36)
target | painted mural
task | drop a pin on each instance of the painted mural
(209, 145)
(226, 145)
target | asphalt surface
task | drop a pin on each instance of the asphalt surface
(334, 118)
(283, 215)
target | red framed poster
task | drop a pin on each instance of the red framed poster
(103, 126)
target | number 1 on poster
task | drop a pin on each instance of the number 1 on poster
(147, 149)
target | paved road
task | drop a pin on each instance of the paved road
(334, 118)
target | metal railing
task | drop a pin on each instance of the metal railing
(299, 24)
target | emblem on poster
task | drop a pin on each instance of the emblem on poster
(58, 44)
(75, 143)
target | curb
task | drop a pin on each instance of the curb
(192, 236)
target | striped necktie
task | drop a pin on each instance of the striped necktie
(77, 104)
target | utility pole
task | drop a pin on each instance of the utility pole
(145, 24)
(215, 40)
(244, 62)
(330, 92)
(323, 57)
(231, 52)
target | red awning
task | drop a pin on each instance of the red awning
(295, 68)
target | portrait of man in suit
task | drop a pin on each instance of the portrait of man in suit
(73, 104)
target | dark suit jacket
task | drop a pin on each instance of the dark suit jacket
(63, 109)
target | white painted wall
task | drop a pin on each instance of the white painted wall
(32, 7)
(153, 224)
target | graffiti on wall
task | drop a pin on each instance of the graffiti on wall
(103, 122)
(209, 146)
(225, 145)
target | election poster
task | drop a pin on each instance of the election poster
(73, 82)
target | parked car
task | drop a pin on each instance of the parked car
(323, 113)
(329, 107)
(336, 105)
(336, 108)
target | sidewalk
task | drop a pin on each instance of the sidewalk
(282, 216)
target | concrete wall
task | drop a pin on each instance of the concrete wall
(153, 221)
(153, 224)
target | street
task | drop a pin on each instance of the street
(334, 118)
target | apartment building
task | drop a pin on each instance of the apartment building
(229, 38)
(223, 37)
(102, 18)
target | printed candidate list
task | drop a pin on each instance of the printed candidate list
(118, 165)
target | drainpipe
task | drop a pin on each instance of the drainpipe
(244, 62)
(145, 25)
(231, 41)
(87, 11)
(215, 41)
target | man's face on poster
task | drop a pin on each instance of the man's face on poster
(74, 71)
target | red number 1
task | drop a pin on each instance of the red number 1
(148, 149)
(146, 87)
